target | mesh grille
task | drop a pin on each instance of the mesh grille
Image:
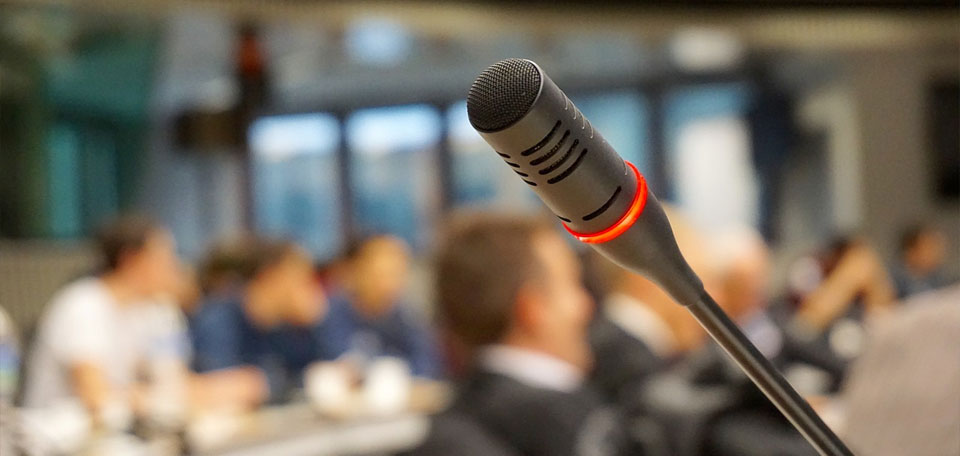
(503, 94)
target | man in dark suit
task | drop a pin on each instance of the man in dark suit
(509, 288)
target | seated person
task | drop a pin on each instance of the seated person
(369, 319)
(454, 433)
(98, 332)
(920, 267)
(265, 325)
(742, 263)
(836, 291)
(509, 288)
(638, 329)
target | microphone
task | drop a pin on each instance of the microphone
(604, 201)
(601, 199)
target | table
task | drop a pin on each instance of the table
(297, 430)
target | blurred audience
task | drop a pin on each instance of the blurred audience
(903, 395)
(721, 409)
(510, 288)
(369, 318)
(743, 264)
(224, 269)
(106, 342)
(257, 322)
(541, 370)
(97, 331)
(638, 329)
(920, 261)
(839, 289)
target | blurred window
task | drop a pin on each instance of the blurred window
(479, 176)
(393, 170)
(295, 180)
(378, 41)
(709, 156)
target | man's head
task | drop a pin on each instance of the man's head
(922, 249)
(280, 283)
(378, 270)
(140, 253)
(743, 267)
(505, 279)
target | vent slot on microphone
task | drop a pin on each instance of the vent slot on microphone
(512, 164)
(543, 142)
(502, 154)
(557, 164)
(552, 151)
(521, 173)
(568, 171)
(563, 218)
(604, 207)
(532, 184)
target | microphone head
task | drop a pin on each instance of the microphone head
(503, 94)
(550, 145)
(537, 131)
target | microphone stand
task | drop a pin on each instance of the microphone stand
(766, 377)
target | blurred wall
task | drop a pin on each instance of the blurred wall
(32, 271)
(890, 95)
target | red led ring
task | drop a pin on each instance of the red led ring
(625, 222)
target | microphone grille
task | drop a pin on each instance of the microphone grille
(503, 94)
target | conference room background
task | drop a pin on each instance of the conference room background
(324, 121)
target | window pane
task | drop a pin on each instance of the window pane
(296, 191)
(479, 175)
(709, 155)
(393, 170)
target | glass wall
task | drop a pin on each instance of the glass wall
(709, 154)
(393, 170)
(296, 180)
(394, 164)
(478, 175)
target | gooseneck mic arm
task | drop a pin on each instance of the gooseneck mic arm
(604, 201)
(766, 377)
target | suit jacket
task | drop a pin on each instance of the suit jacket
(511, 417)
(455, 433)
(622, 363)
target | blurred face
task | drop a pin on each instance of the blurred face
(562, 307)
(928, 253)
(154, 267)
(379, 275)
(299, 296)
(745, 285)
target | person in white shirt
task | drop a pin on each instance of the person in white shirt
(99, 334)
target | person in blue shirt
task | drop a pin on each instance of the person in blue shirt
(369, 319)
(264, 322)
(923, 250)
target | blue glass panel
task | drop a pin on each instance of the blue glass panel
(394, 170)
(295, 180)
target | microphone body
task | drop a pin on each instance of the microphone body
(579, 176)
(604, 201)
